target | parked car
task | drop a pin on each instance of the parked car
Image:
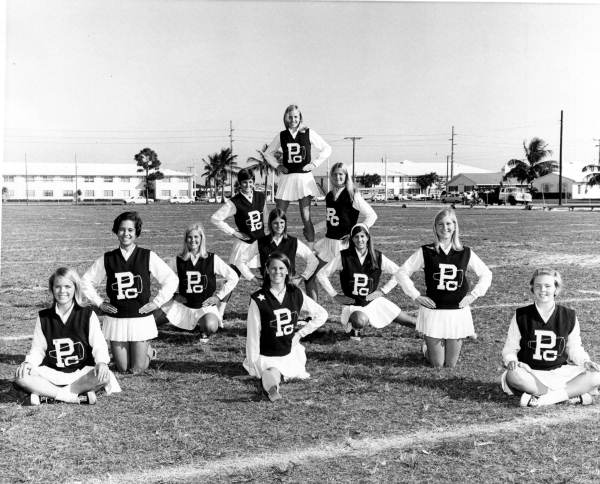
(138, 200)
(400, 196)
(379, 197)
(181, 199)
(454, 197)
(420, 196)
(514, 195)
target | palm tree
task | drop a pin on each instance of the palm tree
(534, 165)
(264, 168)
(218, 166)
(148, 163)
(593, 178)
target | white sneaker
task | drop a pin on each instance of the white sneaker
(34, 400)
(355, 335)
(274, 394)
(583, 399)
(203, 338)
(528, 400)
(91, 397)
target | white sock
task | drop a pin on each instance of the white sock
(553, 396)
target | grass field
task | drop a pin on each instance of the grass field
(372, 411)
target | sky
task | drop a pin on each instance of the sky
(99, 81)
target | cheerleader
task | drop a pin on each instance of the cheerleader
(360, 267)
(279, 240)
(344, 206)
(444, 313)
(68, 355)
(296, 181)
(273, 349)
(543, 354)
(128, 321)
(248, 209)
(196, 303)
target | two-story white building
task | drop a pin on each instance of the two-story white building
(400, 177)
(94, 181)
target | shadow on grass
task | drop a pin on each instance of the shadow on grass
(226, 369)
(352, 357)
(172, 334)
(9, 393)
(12, 359)
(457, 388)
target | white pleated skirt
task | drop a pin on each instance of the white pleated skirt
(61, 378)
(556, 379)
(294, 186)
(291, 366)
(326, 249)
(238, 251)
(129, 329)
(445, 323)
(380, 312)
(187, 318)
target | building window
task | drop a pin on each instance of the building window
(468, 188)
(67, 193)
(578, 189)
(9, 178)
(44, 178)
(108, 179)
(125, 193)
(546, 187)
(30, 193)
(48, 193)
(63, 178)
(125, 179)
(88, 193)
(108, 193)
(165, 193)
(88, 179)
(10, 194)
(183, 193)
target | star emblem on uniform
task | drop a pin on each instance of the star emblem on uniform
(261, 297)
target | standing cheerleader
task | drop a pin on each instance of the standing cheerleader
(279, 240)
(543, 354)
(444, 313)
(273, 348)
(128, 322)
(68, 355)
(296, 181)
(196, 303)
(248, 209)
(344, 206)
(360, 267)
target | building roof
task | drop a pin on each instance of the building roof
(82, 169)
(411, 168)
(480, 178)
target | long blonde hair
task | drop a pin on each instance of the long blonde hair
(349, 183)
(447, 212)
(71, 275)
(185, 253)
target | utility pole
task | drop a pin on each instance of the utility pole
(447, 179)
(353, 138)
(452, 154)
(26, 182)
(231, 151)
(560, 160)
(385, 178)
(191, 191)
(76, 189)
(598, 145)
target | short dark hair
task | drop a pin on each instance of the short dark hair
(245, 174)
(133, 216)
